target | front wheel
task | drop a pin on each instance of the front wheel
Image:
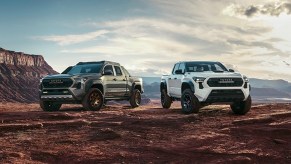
(189, 102)
(242, 107)
(49, 106)
(93, 100)
(165, 99)
(135, 98)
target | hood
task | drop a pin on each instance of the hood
(207, 74)
(72, 76)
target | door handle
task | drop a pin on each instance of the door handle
(114, 79)
(169, 78)
(175, 78)
(124, 80)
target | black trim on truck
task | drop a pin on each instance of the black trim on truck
(225, 95)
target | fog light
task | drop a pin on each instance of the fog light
(246, 85)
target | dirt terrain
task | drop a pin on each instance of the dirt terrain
(148, 134)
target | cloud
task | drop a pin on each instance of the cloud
(73, 39)
(149, 45)
(136, 47)
(271, 9)
(286, 63)
(250, 11)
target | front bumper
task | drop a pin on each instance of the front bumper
(220, 94)
(229, 95)
(59, 94)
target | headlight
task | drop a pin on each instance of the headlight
(245, 78)
(40, 80)
(77, 79)
(199, 79)
(82, 80)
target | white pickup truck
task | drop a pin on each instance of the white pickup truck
(200, 83)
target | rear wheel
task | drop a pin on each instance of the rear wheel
(189, 102)
(49, 106)
(93, 100)
(165, 99)
(242, 107)
(135, 98)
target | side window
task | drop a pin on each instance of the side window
(175, 68)
(191, 68)
(118, 70)
(108, 68)
(218, 68)
(182, 67)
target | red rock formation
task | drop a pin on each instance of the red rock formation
(20, 74)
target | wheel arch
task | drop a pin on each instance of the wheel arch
(98, 86)
(187, 85)
(163, 85)
(136, 86)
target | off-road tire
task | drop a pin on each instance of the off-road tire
(241, 108)
(189, 102)
(93, 100)
(49, 106)
(135, 98)
(166, 100)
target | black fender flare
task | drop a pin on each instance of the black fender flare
(91, 83)
(136, 84)
(88, 85)
(188, 83)
(163, 84)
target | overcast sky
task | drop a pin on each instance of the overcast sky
(149, 36)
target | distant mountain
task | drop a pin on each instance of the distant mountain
(152, 86)
(150, 80)
(20, 74)
(152, 90)
(288, 89)
(269, 92)
(277, 84)
(280, 85)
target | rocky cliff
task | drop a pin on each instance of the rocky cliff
(20, 74)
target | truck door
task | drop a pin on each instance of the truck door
(171, 82)
(109, 81)
(120, 82)
(128, 81)
(177, 81)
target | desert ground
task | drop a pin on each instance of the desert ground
(148, 134)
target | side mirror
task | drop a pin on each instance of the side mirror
(231, 70)
(108, 72)
(179, 72)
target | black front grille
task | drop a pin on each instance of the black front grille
(225, 82)
(226, 95)
(57, 83)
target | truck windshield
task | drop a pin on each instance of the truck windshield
(205, 66)
(87, 68)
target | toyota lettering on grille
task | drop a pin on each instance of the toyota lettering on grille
(225, 81)
(58, 81)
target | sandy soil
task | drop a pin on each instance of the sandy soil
(148, 134)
